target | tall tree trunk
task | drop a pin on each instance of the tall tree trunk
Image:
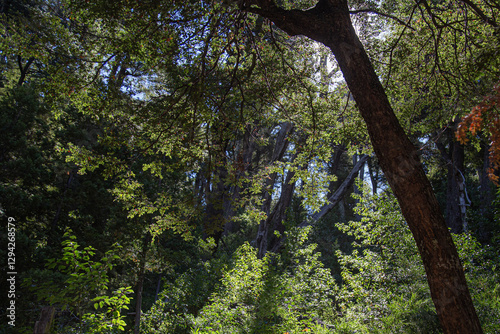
(140, 282)
(243, 165)
(357, 191)
(334, 166)
(266, 239)
(329, 23)
(280, 148)
(373, 171)
(275, 220)
(215, 220)
(455, 187)
(158, 286)
(486, 195)
(216, 188)
(44, 324)
(23, 69)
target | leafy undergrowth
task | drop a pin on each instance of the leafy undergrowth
(287, 293)
(383, 287)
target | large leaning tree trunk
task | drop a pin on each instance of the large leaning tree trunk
(329, 23)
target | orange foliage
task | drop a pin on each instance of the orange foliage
(485, 117)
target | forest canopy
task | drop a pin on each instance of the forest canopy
(250, 166)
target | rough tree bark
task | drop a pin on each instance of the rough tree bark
(329, 23)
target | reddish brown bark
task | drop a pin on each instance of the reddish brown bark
(329, 23)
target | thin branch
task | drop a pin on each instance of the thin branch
(23, 69)
(480, 13)
(374, 11)
(397, 42)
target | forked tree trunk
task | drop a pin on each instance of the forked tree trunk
(329, 23)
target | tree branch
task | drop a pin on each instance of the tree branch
(23, 69)
(374, 11)
(339, 193)
(333, 200)
(294, 22)
(480, 13)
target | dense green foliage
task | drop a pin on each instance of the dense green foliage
(164, 162)
(386, 290)
(84, 281)
(279, 293)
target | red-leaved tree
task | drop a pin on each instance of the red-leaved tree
(485, 117)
